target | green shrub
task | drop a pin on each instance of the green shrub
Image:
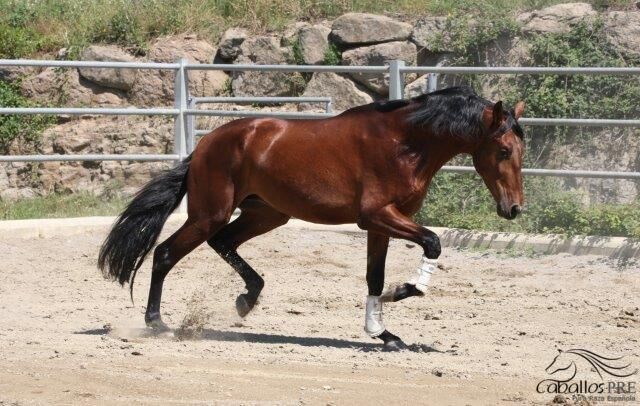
(462, 201)
(18, 42)
(332, 55)
(26, 129)
(124, 29)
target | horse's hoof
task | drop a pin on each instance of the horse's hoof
(157, 325)
(394, 345)
(243, 307)
(392, 342)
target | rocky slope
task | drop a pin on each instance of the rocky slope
(361, 39)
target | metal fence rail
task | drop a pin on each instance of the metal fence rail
(185, 111)
(90, 157)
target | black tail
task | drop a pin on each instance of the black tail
(138, 227)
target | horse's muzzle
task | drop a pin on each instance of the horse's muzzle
(510, 213)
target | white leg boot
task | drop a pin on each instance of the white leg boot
(421, 280)
(373, 324)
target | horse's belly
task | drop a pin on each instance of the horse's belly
(317, 203)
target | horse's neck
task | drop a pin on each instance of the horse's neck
(433, 151)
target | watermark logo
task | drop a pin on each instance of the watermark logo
(571, 370)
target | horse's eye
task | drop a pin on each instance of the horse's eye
(504, 153)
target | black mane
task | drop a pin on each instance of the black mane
(455, 111)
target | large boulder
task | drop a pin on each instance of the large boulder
(379, 54)
(623, 31)
(121, 79)
(155, 88)
(344, 93)
(229, 45)
(360, 29)
(556, 19)
(429, 29)
(264, 50)
(65, 88)
(313, 42)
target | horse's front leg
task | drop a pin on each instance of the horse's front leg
(377, 245)
(390, 222)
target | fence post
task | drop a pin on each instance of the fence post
(181, 92)
(396, 80)
(329, 106)
(432, 82)
(191, 126)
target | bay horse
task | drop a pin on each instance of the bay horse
(370, 165)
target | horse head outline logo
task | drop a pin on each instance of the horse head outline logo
(566, 361)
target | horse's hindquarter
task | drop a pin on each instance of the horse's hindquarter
(309, 169)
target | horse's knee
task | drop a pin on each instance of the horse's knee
(431, 245)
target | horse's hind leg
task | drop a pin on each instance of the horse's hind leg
(256, 218)
(168, 253)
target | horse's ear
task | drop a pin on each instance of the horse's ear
(492, 115)
(519, 109)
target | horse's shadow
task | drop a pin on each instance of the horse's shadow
(264, 338)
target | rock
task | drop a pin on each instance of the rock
(623, 31)
(4, 177)
(13, 194)
(62, 54)
(556, 19)
(380, 54)
(16, 73)
(417, 88)
(264, 50)
(103, 135)
(595, 153)
(291, 31)
(122, 79)
(361, 29)
(313, 42)
(229, 45)
(344, 93)
(155, 88)
(428, 29)
(64, 88)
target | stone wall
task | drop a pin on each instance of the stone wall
(362, 39)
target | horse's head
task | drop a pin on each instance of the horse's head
(498, 158)
(559, 363)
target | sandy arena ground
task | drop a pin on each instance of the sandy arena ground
(489, 326)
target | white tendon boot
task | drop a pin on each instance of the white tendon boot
(421, 280)
(373, 324)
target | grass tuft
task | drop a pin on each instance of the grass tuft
(60, 206)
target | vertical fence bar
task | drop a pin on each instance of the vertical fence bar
(191, 126)
(396, 80)
(432, 82)
(180, 131)
(329, 106)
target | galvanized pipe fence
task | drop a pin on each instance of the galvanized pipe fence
(185, 108)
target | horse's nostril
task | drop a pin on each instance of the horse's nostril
(515, 210)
